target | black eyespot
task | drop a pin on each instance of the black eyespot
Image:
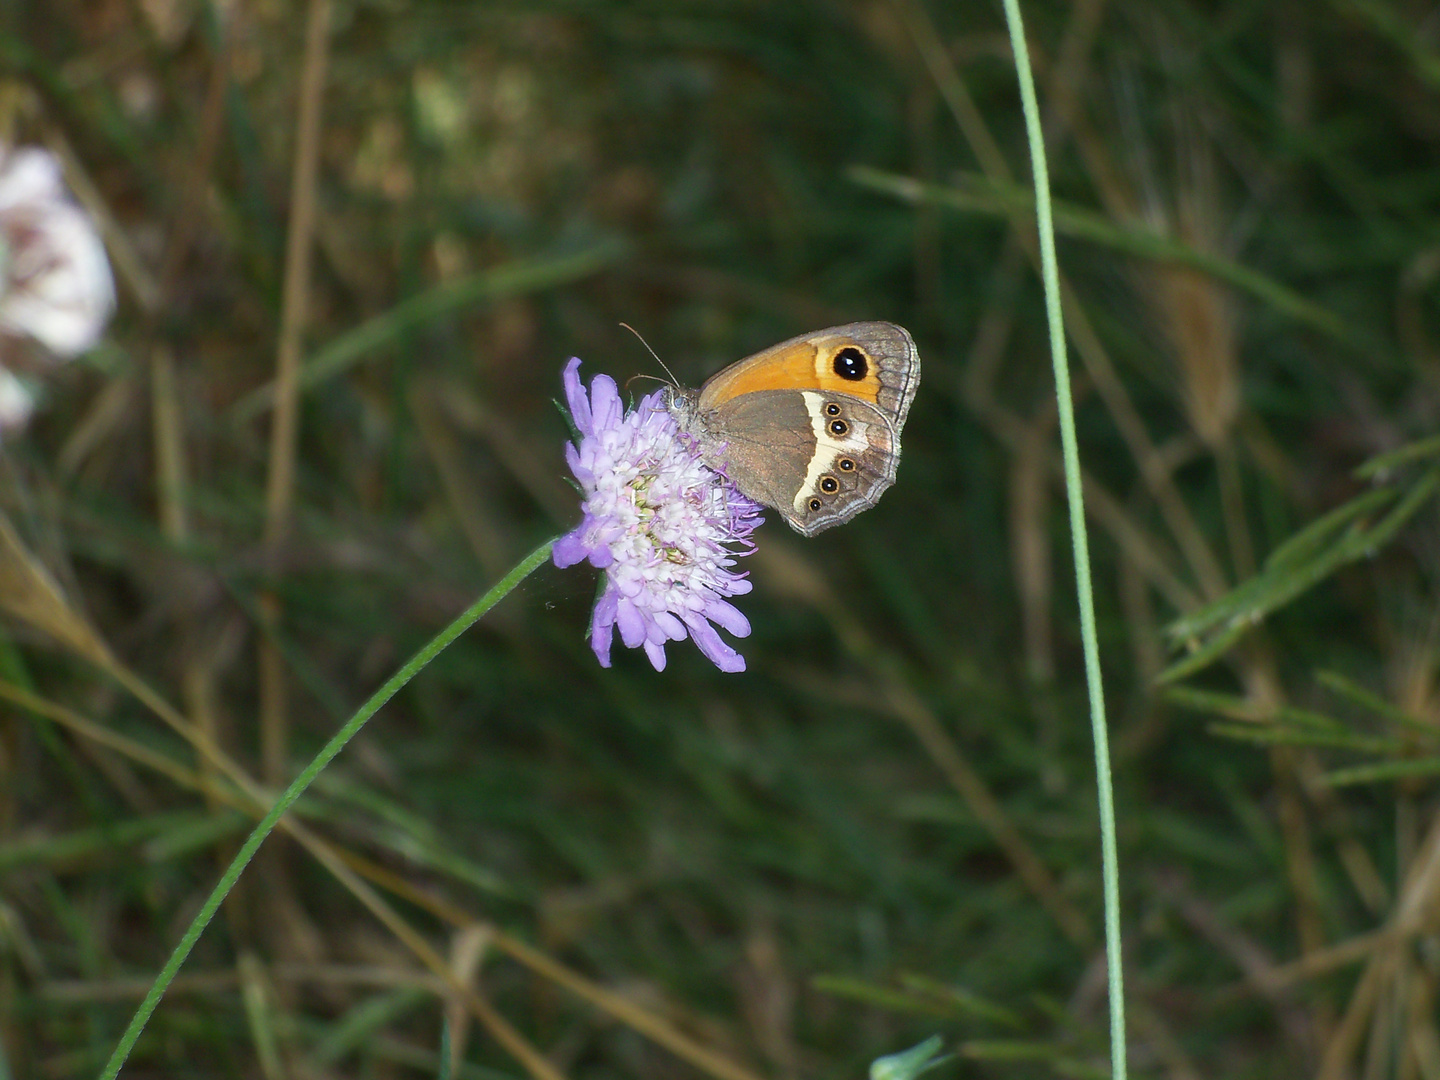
(815, 504)
(847, 465)
(832, 409)
(850, 363)
(829, 485)
(838, 427)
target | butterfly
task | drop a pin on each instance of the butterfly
(811, 426)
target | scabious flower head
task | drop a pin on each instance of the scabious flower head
(55, 283)
(662, 525)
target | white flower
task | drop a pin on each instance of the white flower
(55, 283)
(16, 401)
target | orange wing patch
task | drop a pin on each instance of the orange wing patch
(805, 364)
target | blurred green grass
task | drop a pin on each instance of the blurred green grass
(820, 861)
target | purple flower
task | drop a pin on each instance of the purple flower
(663, 526)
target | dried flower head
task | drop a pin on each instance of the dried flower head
(55, 283)
(663, 526)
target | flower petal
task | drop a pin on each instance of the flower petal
(714, 649)
(570, 548)
(576, 398)
(670, 626)
(578, 465)
(602, 627)
(631, 622)
(605, 403)
(727, 617)
(601, 557)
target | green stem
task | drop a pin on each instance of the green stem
(297, 788)
(1050, 274)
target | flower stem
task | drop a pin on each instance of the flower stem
(297, 788)
(1050, 274)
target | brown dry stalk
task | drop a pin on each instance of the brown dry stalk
(464, 492)
(224, 981)
(251, 799)
(279, 491)
(1347, 1035)
(1150, 556)
(165, 411)
(642, 1020)
(653, 1027)
(1030, 509)
(356, 872)
(212, 125)
(953, 89)
(1203, 563)
(30, 594)
(130, 270)
(894, 697)
(284, 430)
(1413, 912)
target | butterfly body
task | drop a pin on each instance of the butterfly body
(811, 426)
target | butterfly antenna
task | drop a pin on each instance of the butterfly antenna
(673, 381)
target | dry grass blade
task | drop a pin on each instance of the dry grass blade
(285, 424)
(28, 593)
(642, 1020)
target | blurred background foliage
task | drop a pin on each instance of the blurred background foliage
(886, 827)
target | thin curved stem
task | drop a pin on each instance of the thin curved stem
(297, 788)
(1050, 275)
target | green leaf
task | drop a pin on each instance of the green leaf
(1313, 536)
(1289, 736)
(980, 195)
(1333, 680)
(883, 997)
(909, 1064)
(1233, 707)
(1384, 463)
(1014, 1050)
(1302, 562)
(513, 279)
(1383, 770)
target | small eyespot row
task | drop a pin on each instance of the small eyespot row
(829, 485)
(838, 427)
(814, 505)
(831, 409)
(847, 464)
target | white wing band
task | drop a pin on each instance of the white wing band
(827, 447)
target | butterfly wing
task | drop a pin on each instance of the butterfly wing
(816, 458)
(810, 427)
(873, 361)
